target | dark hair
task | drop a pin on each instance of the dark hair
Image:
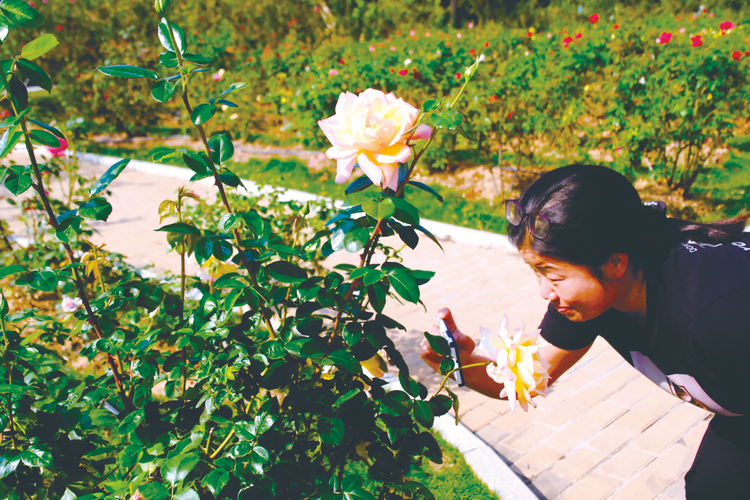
(596, 212)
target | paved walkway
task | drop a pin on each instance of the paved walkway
(603, 432)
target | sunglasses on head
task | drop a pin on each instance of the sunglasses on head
(537, 223)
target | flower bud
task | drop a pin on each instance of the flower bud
(162, 6)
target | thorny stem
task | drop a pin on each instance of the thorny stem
(39, 187)
(10, 382)
(448, 375)
(237, 238)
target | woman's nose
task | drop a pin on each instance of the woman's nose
(546, 290)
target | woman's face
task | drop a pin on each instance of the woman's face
(573, 289)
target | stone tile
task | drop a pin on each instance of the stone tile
(577, 463)
(592, 487)
(468, 400)
(605, 362)
(550, 485)
(656, 476)
(619, 377)
(648, 411)
(577, 379)
(571, 435)
(561, 414)
(674, 492)
(497, 405)
(694, 437)
(634, 392)
(507, 454)
(601, 414)
(591, 395)
(478, 417)
(491, 435)
(526, 437)
(612, 438)
(513, 420)
(537, 460)
(626, 462)
(658, 437)
(685, 416)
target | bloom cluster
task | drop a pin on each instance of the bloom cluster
(516, 363)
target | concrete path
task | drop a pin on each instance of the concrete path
(604, 431)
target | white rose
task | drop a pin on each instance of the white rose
(370, 129)
(70, 305)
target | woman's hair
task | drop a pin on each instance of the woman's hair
(596, 212)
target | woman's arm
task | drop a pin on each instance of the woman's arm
(476, 378)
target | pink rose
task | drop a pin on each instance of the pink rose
(60, 150)
(70, 305)
(371, 129)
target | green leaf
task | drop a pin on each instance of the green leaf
(426, 188)
(429, 235)
(95, 209)
(38, 47)
(408, 384)
(404, 284)
(35, 74)
(4, 30)
(68, 495)
(188, 494)
(108, 176)
(202, 113)
(423, 413)
(131, 422)
(46, 127)
(466, 134)
(377, 296)
(44, 280)
(153, 491)
(259, 455)
(180, 227)
(8, 141)
(438, 344)
(346, 397)
(229, 222)
(215, 481)
(128, 71)
(345, 360)
(447, 365)
(9, 463)
(230, 178)
(405, 211)
(163, 90)
(233, 88)
(441, 404)
(44, 138)
(396, 403)
(331, 430)
(286, 272)
(177, 468)
(10, 270)
(36, 457)
(13, 120)
(197, 59)
(448, 119)
(178, 34)
(169, 60)
(430, 105)
(222, 148)
(382, 209)
(196, 162)
(358, 184)
(356, 239)
(19, 92)
(18, 183)
(21, 14)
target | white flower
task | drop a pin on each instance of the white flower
(481, 58)
(517, 364)
(642, 81)
(371, 129)
(407, 62)
(70, 305)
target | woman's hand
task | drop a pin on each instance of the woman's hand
(465, 343)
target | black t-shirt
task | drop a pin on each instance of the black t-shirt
(696, 342)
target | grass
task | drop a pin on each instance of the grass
(292, 173)
(451, 480)
(727, 189)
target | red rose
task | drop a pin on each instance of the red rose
(510, 115)
(529, 34)
(393, 70)
(594, 18)
(567, 41)
(341, 61)
(473, 53)
(726, 25)
(737, 55)
(486, 44)
(403, 72)
(578, 35)
(665, 38)
(697, 42)
(616, 27)
(59, 28)
(458, 75)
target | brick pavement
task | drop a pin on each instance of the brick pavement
(604, 431)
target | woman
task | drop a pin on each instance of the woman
(671, 296)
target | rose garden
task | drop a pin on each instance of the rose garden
(269, 361)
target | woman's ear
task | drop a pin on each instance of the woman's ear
(616, 266)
